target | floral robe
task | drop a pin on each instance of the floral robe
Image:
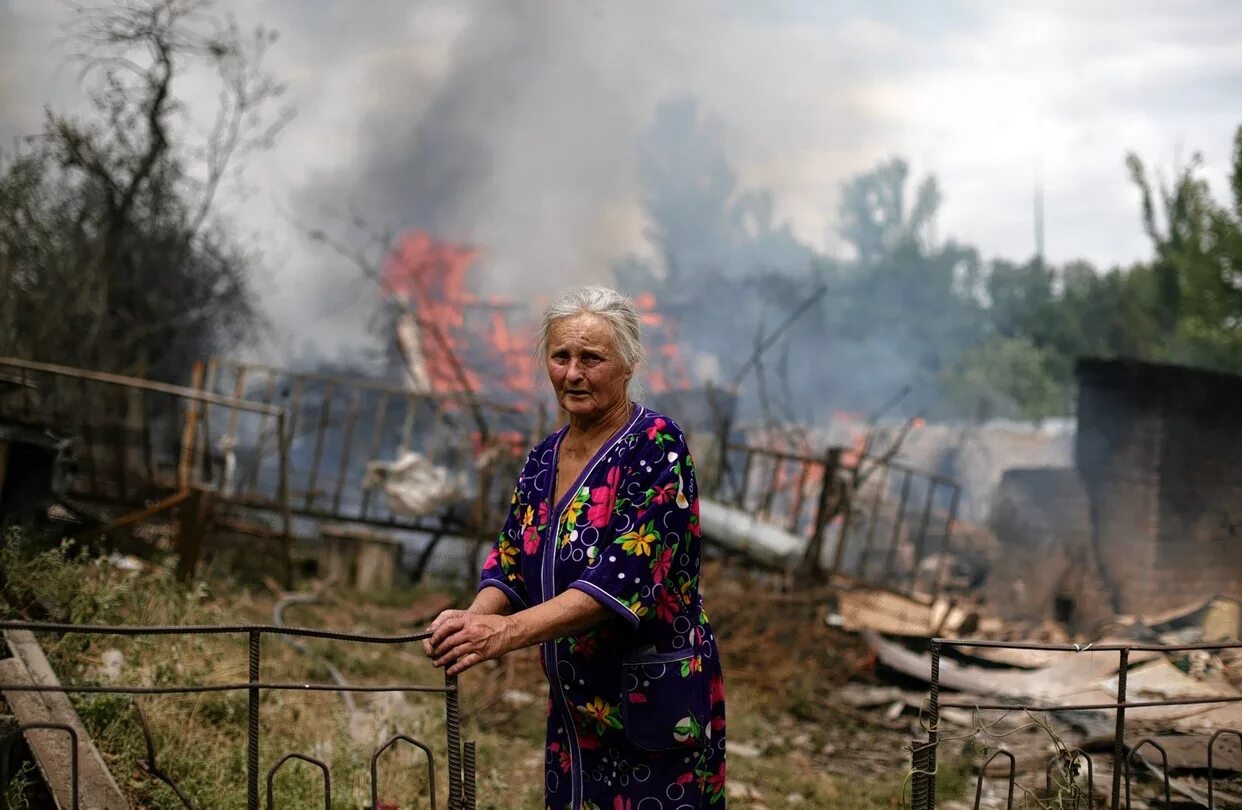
(636, 715)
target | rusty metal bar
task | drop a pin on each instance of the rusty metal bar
(876, 503)
(452, 725)
(372, 384)
(1013, 769)
(920, 542)
(950, 521)
(1164, 756)
(351, 419)
(431, 767)
(1211, 776)
(773, 484)
(192, 393)
(283, 440)
(468, 777)
(795, 511)
(252, 723)
(897, 527)
(251, 479)
(327, 778)
(321, 429)
(7, 743)
(771, 452)
(933, 720)
(377, 432)
(1120, 727)
(744, 487)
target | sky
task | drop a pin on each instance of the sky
(513, 125)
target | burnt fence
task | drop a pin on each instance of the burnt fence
(460, 756)
(1069, 779)
(877, 520)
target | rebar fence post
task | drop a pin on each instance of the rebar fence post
(933, 719)
(252, 724)
(1120, 729)
(468, 765)
(453, 726)
(923, 783)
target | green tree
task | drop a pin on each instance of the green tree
(1198, 263)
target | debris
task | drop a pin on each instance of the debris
(359, 558)
(1072, 675)
(97, 788)
(414, 486)
(740, 791)
(742, 533)
(895, 614)
(517, 699)
(1187, 752)
(738, 748)
(111, 665)
(1213, 619)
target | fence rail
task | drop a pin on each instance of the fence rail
(893, 521)
(1062, 767)
(460, 757)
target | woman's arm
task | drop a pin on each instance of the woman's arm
(462, 638)
(491, 601)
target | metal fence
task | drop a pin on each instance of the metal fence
(460, 756)
(339, 425)
(1064, 768)
(892, 520)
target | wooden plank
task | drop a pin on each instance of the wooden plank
(97, 788)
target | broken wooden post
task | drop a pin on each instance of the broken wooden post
(29, 667)
(825, 510)
(196, 518)
(189, 431)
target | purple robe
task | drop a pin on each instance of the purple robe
(636, 715)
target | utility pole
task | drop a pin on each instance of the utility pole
(1039, 212)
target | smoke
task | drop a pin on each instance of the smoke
(549, 133)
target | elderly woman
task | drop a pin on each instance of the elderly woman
(598, 564)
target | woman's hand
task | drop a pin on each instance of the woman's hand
(461, 639)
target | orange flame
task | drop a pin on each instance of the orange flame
(429, 275)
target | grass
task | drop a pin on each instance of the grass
(200, 739)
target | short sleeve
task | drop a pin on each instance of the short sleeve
(503, 569)
(651, 520)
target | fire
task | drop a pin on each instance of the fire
(666, 369)
(429, 276)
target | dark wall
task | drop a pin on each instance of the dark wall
(1159, 449)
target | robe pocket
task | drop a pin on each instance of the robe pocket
(665, 701)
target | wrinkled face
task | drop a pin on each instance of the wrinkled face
(586, 369)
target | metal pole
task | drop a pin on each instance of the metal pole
(469, 767)
(933, 719)
(453, 725)
(1120, 730)
(252, 721)
(286, 514)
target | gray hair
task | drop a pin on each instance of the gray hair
(617, 309)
